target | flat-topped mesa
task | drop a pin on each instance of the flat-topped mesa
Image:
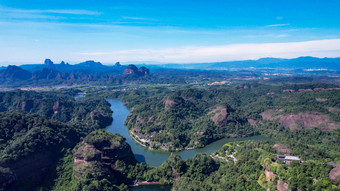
(132, 70)
(90, 63)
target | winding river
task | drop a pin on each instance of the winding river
(156, 158)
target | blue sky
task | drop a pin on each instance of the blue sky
(179, 31)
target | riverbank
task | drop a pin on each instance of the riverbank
(158, 157)
(142, 141)
(146, 183)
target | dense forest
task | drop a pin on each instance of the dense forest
(255, 168)
(29, 148)
(87, 113)
(60, 137)
(171, 119)
(39, 128)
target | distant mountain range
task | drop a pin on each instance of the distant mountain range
(64, 72)
(304, 63)
(87, 67)
(91, 71)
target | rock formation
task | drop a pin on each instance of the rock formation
(143, 71)
(104, 151)
(90, 63)
(48, 62)
(132, 70)
(117, 64)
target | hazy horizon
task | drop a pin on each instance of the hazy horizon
(148, 62)
(166, 31)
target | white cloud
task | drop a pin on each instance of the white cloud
(268, 36)
(277, 25)
(139, 18)
(49, 11)
(190, 54)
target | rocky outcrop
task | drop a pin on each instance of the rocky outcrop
(269, 175)
(132, 70)
(56, 107)
(102, 151)
(48, 62)
(306, 120)
(169, 103)
(219, 116)
(25, 105)
(334, 174)
(82, 158)
(282, 186)
(47, 74)
(143, 71)
(117, 64)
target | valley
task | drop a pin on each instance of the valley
(195, 133)
(169, 95)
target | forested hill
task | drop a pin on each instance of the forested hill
(37, 129)
(178, 119)
(30, 146)
(89, 113)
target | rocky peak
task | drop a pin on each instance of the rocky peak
(133, 70)
(117, 64)
(62, 63)
(48, 62)
(143, 71)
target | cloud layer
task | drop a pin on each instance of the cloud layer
(190, 54)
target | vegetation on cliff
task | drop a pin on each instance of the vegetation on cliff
(100, 162)
(38, 129)
(172, 119)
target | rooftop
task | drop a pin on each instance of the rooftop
(292, 158)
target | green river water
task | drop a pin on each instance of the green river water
(156, 158)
